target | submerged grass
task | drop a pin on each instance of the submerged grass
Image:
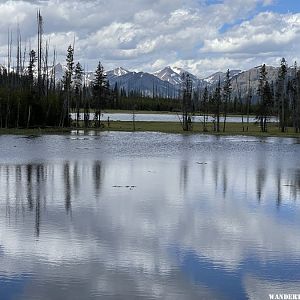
(165, 127)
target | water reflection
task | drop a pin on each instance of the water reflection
(37, 183)
(184, 175)
(293, 183)
(98, 175)
(218, 222)
(278, 183)
(260, 182)
(67, 186)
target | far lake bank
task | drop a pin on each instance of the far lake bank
(163, 127)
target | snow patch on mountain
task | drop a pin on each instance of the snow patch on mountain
(119, 71)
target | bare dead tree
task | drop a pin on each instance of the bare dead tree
(40, 50)
(9, 51)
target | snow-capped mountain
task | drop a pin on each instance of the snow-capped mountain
(169, 75)
(117, 72)
(143, 82)
(166, 82)
(173, 75)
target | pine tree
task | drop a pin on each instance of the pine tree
(67, 83)
(265, 99)
(186, 93)
(294, 98)
(249, 98)
(99, 88)
(116, 96)
(261, 87)
(226, 96)
(217, 101)
(31, 66)
(205, 108)
(78, 79)
(281, 96)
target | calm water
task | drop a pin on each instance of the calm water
(162, 118)
(148, 216)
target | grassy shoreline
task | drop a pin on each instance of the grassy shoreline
(156, 112)
(164, 127)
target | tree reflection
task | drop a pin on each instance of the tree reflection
(260, 182)
(67, 186)
(29, 186)
(97, 176)
(40, 178)
(216, 173)
(7, 192)
(184, 175)
(294, 183)
(224, 179)
(278, 183)
(76, 178)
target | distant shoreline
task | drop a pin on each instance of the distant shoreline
(156, 112)
(232, 129)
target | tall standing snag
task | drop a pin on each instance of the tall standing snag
(40, 51)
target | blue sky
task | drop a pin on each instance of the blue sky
(198, 35)
(276, 6)
(285, 6)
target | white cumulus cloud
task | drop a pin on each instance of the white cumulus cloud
(142, 34)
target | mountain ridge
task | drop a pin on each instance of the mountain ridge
(167, 82)
(239, 79)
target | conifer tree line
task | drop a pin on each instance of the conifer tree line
(279, 99)
(31, 95)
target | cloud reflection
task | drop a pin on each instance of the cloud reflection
(79, 224)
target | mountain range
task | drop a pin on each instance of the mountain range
(167, 82)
